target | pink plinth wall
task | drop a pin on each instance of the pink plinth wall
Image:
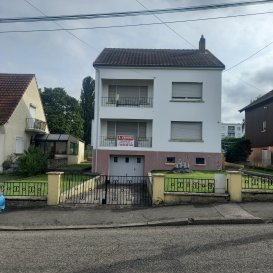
(157, 160)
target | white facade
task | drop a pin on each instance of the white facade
(232, 130)
(164, 109)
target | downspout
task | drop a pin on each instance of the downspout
(97, 118)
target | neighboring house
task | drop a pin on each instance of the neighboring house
(259, 129)
(21, 114)
(232, 130)
(155, 108)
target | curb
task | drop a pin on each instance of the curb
(176, 222)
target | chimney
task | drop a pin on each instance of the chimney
(202, 44)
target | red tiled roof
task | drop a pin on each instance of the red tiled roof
(12, 88)
(157, 58)
(263, 99)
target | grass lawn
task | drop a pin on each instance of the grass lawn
(258, 170)
(194, 174)
(76, 167)
(17, 177)
(9, 177)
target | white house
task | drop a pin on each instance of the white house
(232, 130)
(155, 108)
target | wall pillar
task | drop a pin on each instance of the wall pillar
(54, 188)
(234, 180)
(158, 189)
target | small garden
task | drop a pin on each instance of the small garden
(26, 176)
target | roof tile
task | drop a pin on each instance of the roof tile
(157, 58)
(12, 88)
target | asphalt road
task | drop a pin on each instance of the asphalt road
(241, 248)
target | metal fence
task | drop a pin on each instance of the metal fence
(70, 180)
(142, 102)
(255, 182)
(111, 190)
(106, 141)
(191, 185)
(21, 188)
(35, 124)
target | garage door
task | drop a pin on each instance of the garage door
(121, 165)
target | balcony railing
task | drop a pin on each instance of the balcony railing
(35, 125)
(113, 142)
(142, 102)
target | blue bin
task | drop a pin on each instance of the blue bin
(2, 202)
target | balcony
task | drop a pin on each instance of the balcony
(141, 102)
(35, 125)
(125, 141)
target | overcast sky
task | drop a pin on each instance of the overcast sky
(61, 60)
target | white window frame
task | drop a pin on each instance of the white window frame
(19, 145)
(186, 97)
(186, 139)
(264, 126)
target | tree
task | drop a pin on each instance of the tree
(238, 150)
(63, 112)
(87, 106)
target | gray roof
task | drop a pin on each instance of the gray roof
(189, 58)
(263, 99)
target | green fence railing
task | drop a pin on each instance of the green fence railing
(23, 188)
(194, 185)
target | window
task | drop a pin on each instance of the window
(19, 145)
(61, 148)
(73, 148)
(126, 159)
(138, 159)
(200, 161)
(170, 159)
(187, 91)
(136, 129)
(264, 126)
(115, 159)
(231, 131)
(186, 131)
(128, 94)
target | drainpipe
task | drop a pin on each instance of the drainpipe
(97, 118)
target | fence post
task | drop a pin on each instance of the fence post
(234, 180)
(54, 188)
(158, 189)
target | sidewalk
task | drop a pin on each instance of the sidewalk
(109, 217)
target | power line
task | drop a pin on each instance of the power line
(131, 13)
(58, 24)
(138, 24)
(249, 57)
(174, 31)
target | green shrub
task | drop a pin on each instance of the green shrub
(7, 164)
(238, 150)
(32, 162)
